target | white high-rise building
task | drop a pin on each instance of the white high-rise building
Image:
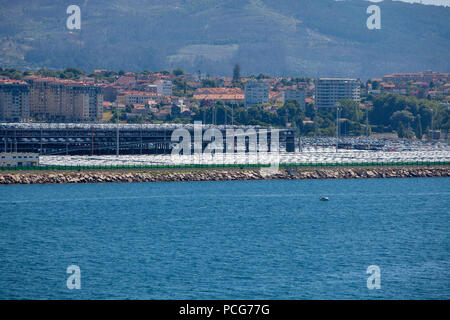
(329, 91)
(164, 87)
(256, 92)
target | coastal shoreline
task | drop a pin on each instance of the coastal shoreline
(222, 174)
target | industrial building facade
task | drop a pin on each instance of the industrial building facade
(19, 159)
(329, 91)
(103, 139)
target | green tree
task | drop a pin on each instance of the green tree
(401, 132)
(262, 76)
(403, 118)
(375, 85)
(47, 73)
(351, 110)
(17, 75)
(74, 71)
(209, 83)
(418, 131)
(178, 72)
(421, 93)
(236, 73)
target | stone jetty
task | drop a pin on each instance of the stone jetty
(179, 175)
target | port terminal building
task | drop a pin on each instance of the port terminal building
(19, 159)
(123, 139)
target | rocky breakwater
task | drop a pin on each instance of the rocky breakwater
(218, 175)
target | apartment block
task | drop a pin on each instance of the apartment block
(227, 95)
(164, 87)
(426, 76)
(256, 92)
(14, 100)
(329, 91)
(295, 95)
(136, 97)
(66, 100)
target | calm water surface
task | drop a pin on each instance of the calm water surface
(227, 240)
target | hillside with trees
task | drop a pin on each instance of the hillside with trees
(277, 37)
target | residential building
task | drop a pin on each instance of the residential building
(14, 100)
(164, 87)
(329, 91)
(110, 93)
(136, 97)
(162, 115)
(66, 100)
(426, 76)
(126, 81)
(256, 92)
(295, 95)
(150, 88)
(446, 88)
(227, 95)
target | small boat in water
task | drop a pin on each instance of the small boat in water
(324, 199)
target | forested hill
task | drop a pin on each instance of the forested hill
(277, 37)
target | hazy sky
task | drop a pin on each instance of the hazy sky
(437, 2)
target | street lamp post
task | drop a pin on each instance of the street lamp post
(432, 123)
(117, 133)
(367, 121)
(232, 114)
(315, 122)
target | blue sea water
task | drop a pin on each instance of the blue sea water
(227, 240)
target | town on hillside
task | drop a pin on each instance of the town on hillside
(408, 105)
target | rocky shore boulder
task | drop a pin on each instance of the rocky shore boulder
(219, 175)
